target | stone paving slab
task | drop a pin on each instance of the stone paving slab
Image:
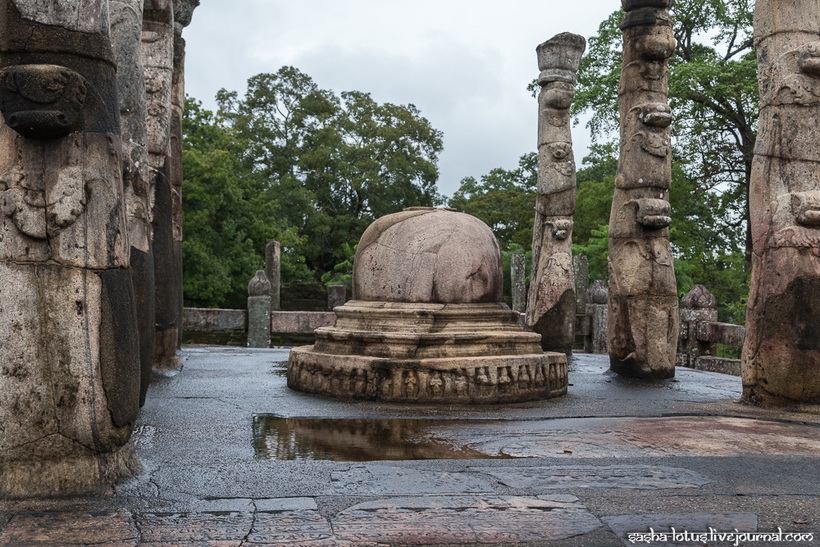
(463, 519)
(634, 454)
(624, 437)
(70, 528)
(641, 477)
(689, 522)
(194, 528)
(367, 479)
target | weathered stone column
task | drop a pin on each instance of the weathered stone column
(551, 302)
(273, 258)
(183, 11)
(126, 37)
(643, 301)
(580, 267)
(158, 61)
(70, 377)
(596, 309)
(518, 282)
(259, 311)
(781, 355)
(699, 305)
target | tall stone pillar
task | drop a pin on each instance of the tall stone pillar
(183, 11)
(158, 61)
(70, 377)
(643, 303)
(551, 301)
(781, 355)
(596, 309)
(126, 37)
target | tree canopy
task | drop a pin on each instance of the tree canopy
(297, 163)
(713, 93)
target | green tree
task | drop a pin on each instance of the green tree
(713, 94)
(335, 163)
(504, 200)
(226, 224)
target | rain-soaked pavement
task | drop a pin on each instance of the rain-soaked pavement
(231, 457)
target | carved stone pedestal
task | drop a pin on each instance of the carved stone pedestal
(426, 323)
(434, 353)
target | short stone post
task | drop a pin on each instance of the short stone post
(273, 260)
(336, 296)
(518, 282)
(580, 267)
(596, 309)
(697, 306)
(259, 298)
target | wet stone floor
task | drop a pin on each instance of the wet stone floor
(232, 457)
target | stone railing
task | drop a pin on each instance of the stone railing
(261, 322)
(700, 333)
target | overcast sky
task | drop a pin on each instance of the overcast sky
(465, 64)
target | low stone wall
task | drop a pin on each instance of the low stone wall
(214, 326)
(229, 327)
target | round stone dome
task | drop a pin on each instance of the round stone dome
(428, 255)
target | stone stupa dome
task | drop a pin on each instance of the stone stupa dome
(428, 255)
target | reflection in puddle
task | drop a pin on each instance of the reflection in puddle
(356, 440)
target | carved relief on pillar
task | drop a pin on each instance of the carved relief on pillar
(781, 354)
(70, 375)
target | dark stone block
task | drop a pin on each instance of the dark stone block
(142, 277)
(119, 347)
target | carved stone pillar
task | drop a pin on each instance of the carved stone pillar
(70, 378)
(126, 37)
(781, 355)
(643, 302)
(551, 301)
(158, 60)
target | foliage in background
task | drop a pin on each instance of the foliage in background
(504, 200)
(335, 162)
(226, 224)
(342, 273)
(293, 162)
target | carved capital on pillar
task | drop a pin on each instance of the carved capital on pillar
(42, 101)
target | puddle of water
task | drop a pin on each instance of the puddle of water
(357, 440)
